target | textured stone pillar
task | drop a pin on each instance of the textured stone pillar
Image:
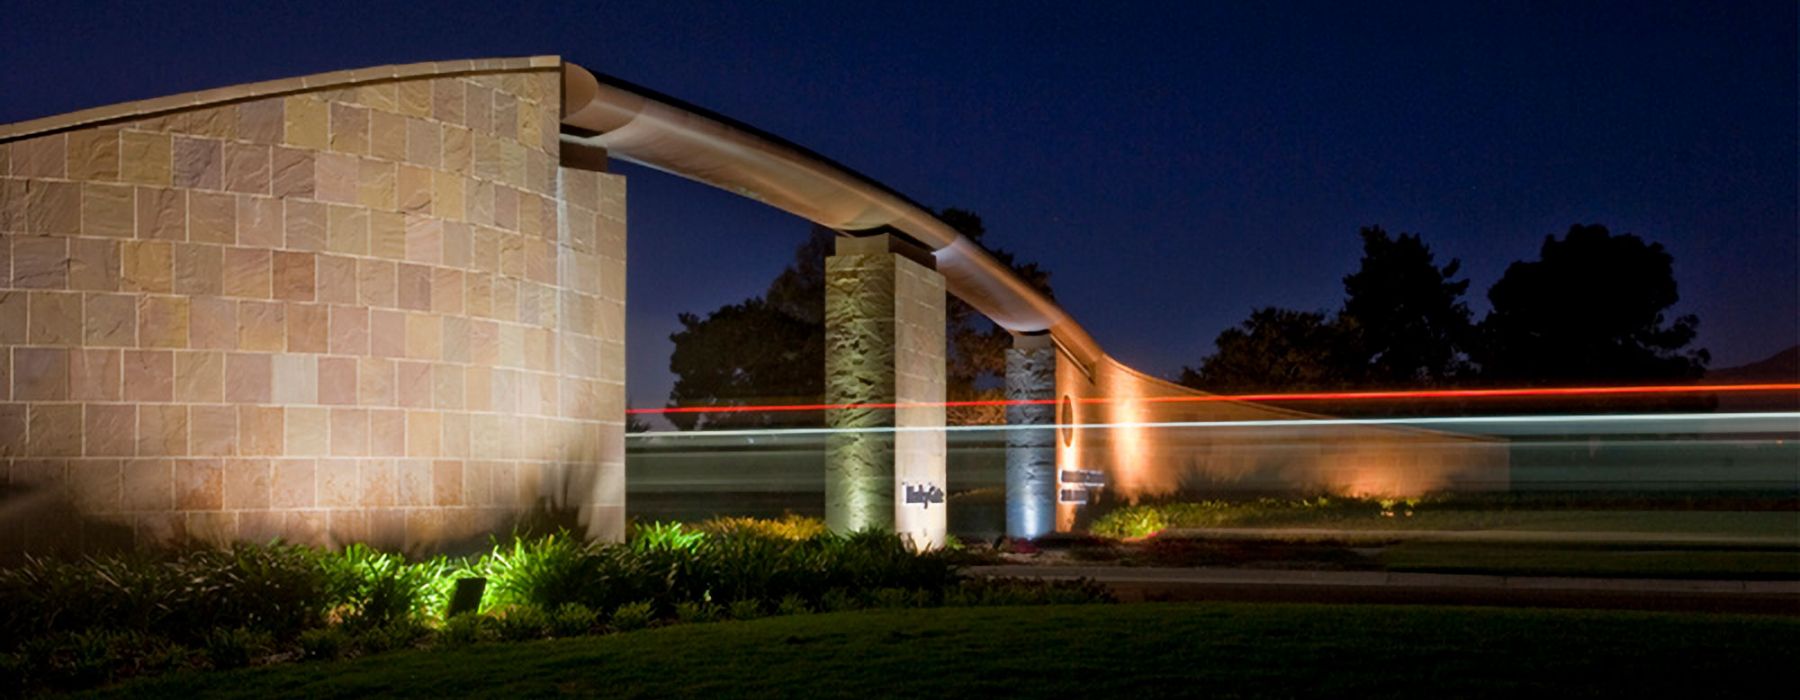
(884, 345)
(1031, 453)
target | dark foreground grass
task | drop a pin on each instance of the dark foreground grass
(1148, 650)
(1510, 559)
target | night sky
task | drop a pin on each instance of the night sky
(1174, 166)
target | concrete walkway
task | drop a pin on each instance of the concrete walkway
(1483, 536)
(1132, 583)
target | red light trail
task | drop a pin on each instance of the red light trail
(1533, 392)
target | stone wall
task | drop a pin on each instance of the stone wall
(359, 306)
(884, 345)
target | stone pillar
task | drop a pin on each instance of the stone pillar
(884, 345)
(1031, 453)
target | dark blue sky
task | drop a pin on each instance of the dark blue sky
(1173, 165)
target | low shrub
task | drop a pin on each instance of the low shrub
(633, 616)
(746, 609)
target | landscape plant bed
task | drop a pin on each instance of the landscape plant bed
(76, 623)
(1142, 650)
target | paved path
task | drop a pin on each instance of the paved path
(1489, 536)
(1151, 583)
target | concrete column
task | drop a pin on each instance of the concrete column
(1031, 453)
(884, 344)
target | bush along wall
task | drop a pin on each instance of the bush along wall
(76, 623)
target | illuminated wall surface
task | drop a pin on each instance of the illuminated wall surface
(884, 344)
(1145, 462)
(366, 305)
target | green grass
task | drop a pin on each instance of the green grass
(1592, 560)
(1148, 650)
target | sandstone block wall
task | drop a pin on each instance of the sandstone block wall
(366, 307)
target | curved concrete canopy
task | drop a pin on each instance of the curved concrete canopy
(643, 127)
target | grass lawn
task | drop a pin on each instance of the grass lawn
(1146, 650)
(1749, 524)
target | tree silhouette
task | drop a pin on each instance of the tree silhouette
(1591, 308)
(1275, 350)
(1409, 320)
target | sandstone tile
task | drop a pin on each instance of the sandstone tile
(506, 208)
(413, 487)
(94, 485)
(162, 322)
(199, 269)
(388, 333)
(306, 123)
(212, 323)
(387, 235)
(414, 383)
(53, 208)
(260, 431)
(212, 430)
(296, 379)
(261, 121)
(215, 122)
(308, 431)
(262, 326)
(40, 374)
(247, 168)
(387, 433)
(380, 96)
(94, 375)
(336, 279)
(484, 250)
(12, 428)
(375, 283)
(424, 336)
(249, 377)
(53, 430)
(247, 273)
(480, 115)
(44, 156)
(161, 214)
(387, 136)
(259, 222)
(199, 484)
(424, 143)
(335, 178)
(199, 163)
(291, 483)
(415, 98)
(212, 218)
(111, 430)
(146, 158)
(292, 173)
(349, 129)
(506, 116)
(478, 388)
(94, 264)
(447, 387)
(308, 328)
(378, 483)
(446, 195)
(108, 210)
(347, 230)
(14, 307)
(375, 382)
(349, 330)
(305, 225)
(110, 319)
(414, 189)
(459, 151)
(446, 482)
(506, 300)
(424, 429)
(414, 283)
(337, 381)
(200, 377)
(55, 318)
(339, 485)
(447, 101)
(455, 439)
(148, 484)
(162, 429)
(149, 375)
(294, 276)
(376, 186)
(349, 432)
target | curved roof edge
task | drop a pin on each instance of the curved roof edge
(140, 109)
(647, 128)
